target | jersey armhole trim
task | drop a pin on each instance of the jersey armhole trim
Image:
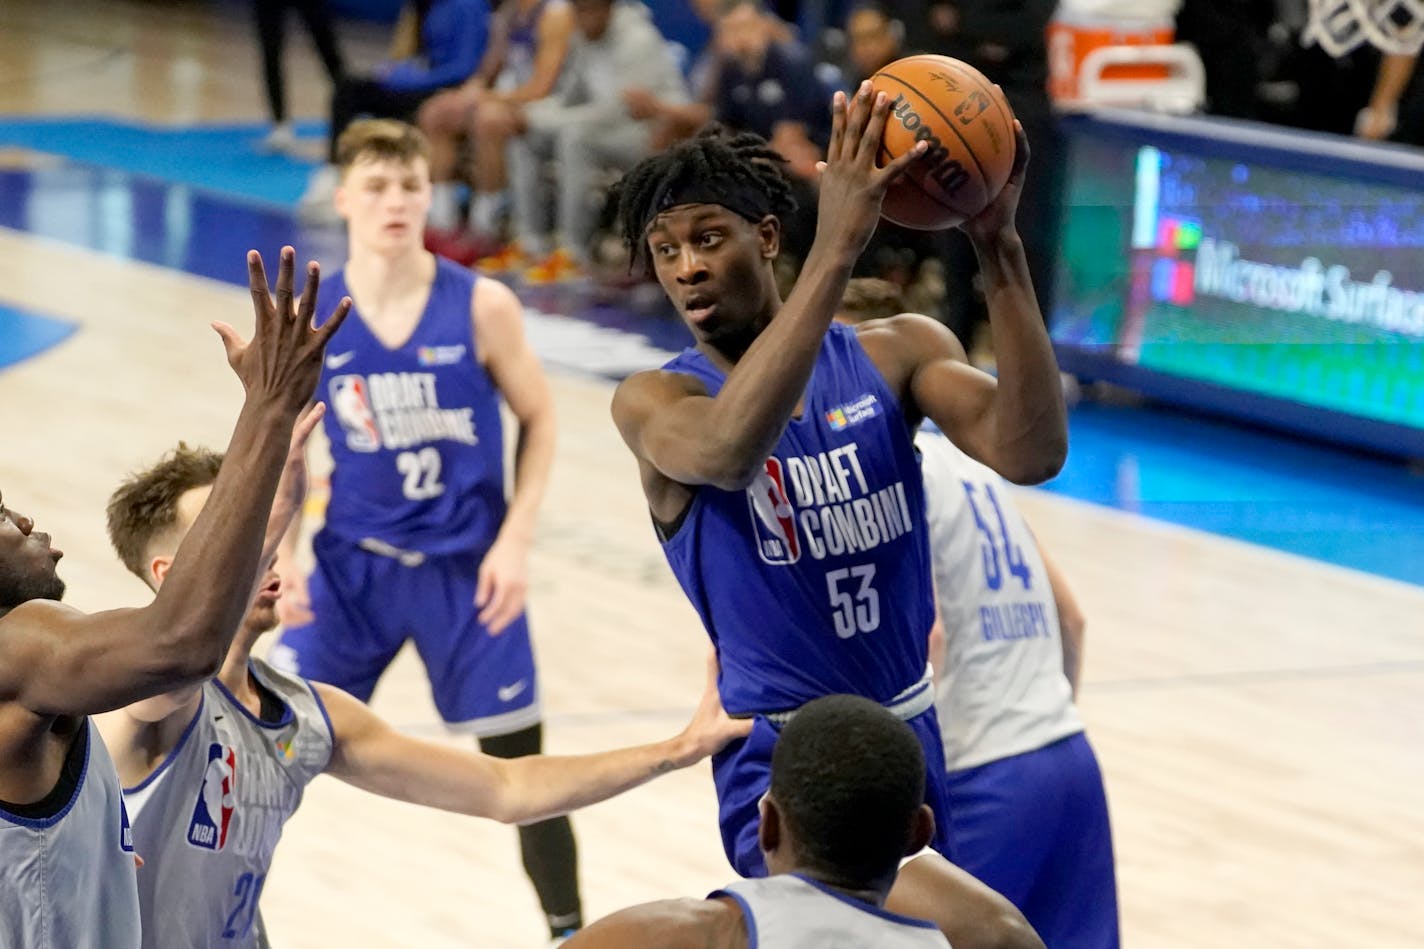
(746, 909)
(326, 717)
(44, 823)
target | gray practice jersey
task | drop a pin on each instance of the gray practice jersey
(1002, 690)
(207, 821)
(67, 881)
(791, 912)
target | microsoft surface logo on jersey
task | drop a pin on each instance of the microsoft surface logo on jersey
(217, 799)
(773, 517)
(440, 355)
(862, 409)
(1174, 270)
(350, 399)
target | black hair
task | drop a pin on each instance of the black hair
(714, 160)
(848, 778)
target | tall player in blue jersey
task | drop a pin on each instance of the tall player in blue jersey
(776, 454)
(419, 542)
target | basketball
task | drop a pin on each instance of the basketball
(970, 130)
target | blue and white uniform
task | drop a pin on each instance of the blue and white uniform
(1027, 812)
(67, 873)
(417, 499)
(815, 580)
(207, 820)
(789, 911)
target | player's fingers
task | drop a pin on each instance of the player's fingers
(868, 147)
(1021, 151)
(232, 342)
(484, 586)
(286, 278)
(856, 119)
(838, 123)
(306, 424)
(334, 321)
(306, 307)
(899, 163)
(257, 283)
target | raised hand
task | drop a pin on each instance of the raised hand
(852, 185)
(283, 360)
(999, 215)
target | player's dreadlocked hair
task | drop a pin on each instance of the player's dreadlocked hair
(737, 170)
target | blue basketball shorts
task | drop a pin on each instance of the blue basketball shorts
(367, 605)
(741, 773)
(1035, 827)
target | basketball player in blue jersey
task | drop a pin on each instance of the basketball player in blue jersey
(1028, 813)
(776, 454)
(419, 541)
(845, 805)
(213, 772)
(66, 853)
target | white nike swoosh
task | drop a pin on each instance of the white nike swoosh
(508, 692)
(339, 360)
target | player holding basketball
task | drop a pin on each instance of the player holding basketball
(419, 541)
(213, 772)
(776, 454)
(66, 854)
(1029, 815)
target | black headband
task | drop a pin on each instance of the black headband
(744, 200)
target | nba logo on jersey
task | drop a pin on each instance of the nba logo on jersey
(773, 517)
(212, 814)
(351, 402)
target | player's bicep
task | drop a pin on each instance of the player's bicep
(55, 660)
(957, 398)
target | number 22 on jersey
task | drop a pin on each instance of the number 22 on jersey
(421, 473)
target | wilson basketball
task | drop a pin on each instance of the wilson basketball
(970, 130)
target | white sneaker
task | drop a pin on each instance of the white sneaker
(315, 205)
(280, 140)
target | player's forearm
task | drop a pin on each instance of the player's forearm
(208, 589)
(1030, 418)
(1394, 75)
(764, 388)
(533, 458)
(538, 787)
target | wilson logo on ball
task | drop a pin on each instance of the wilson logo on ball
(946, 172)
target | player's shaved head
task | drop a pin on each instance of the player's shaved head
(848, 779)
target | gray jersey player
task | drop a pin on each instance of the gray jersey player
(214, 772)
(67, 874)
(844, 809)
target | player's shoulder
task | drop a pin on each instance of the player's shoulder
(649, 389)
(669, 924)
(911, 332)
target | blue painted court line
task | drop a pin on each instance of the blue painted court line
(1334, 506)
(218, 158)
(24, 334)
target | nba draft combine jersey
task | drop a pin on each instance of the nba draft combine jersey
(1028, 814)
(417, 499)
(415, 431)
(207, 821)
(67, 879)
(790, 911)
(815, 580)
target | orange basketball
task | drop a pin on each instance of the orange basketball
(970, 130)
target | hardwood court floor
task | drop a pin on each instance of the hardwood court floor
(1259, 717)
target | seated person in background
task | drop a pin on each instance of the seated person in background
(529, 44)
(846, 805)
(586, 125)
(438, 44)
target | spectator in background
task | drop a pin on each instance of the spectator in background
(875, 38)
(528, 47)
(271, 18)
(587, 126)
(438, 44)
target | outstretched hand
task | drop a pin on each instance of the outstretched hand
(999, 215)
(852, 185)
(711, 727)
(283, 359)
